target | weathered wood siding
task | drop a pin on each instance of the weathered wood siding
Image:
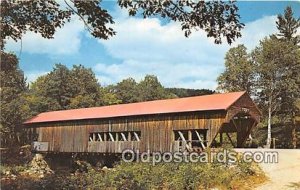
(243, 105)
(156, 132)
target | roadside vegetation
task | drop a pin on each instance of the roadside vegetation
(135, 175)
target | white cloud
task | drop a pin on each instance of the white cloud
(257, 30)
(31, 76)
(146, 46)
(169, 73)
(66, 41)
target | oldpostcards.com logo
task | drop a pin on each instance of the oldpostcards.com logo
(223, 156)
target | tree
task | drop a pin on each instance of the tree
(39, 99)
(278, 67)
(45, 16)
(109, 97)
(239, 71)
(151, 89)
(85, 88)
(63, 89)
(14, 109)
(58, 86)
(218, 19)
(288, 26)
(126, 90)
(184, 92)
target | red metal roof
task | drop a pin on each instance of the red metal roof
(196, 103)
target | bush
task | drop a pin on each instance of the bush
(138, 175)
(165, 176)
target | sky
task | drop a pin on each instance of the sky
(145, 46)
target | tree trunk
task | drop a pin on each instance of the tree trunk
(294, 135)
(268, 145)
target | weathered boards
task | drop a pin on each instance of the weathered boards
(182, 124)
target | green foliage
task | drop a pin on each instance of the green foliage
(126, 90)
(168, 176)
(151, 89)
(14, 108)
(65, 88)
(15, 170)
(183, 92)
(270, 73)
(129, 91)
(288, 26)
(218, 19)
(44, 17)
(278, 65)
(109, 97)
(146, 176)
(239, 71)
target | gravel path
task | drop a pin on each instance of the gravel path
(282, 175)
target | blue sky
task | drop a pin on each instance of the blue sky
(145, 46)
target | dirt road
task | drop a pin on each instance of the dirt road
(282, 175)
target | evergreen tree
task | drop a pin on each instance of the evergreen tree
(287, 26)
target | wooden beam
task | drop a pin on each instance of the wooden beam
(99, 136)
(187, 146)
(221, 138)
(234, 124)
(136, 136)
(123, 136)
(200, 139)
(111, 137)
(190, 139)
(249, 131)
(230, 139)
(181, 136)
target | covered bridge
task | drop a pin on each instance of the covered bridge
(181, 124)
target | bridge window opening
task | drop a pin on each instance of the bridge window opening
(195, 138)
(135, 135)
(91, 137)
(199, 138)
(124, 136)
(111, 137)
(99, 137)
(181, 135)
(115, 136)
